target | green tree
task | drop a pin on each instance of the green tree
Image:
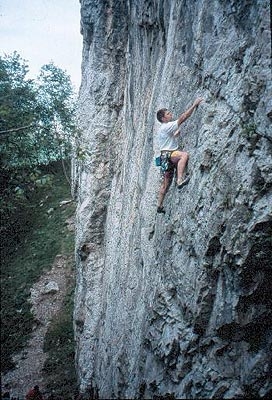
(37, 118)
(17, 109)
(37, 126)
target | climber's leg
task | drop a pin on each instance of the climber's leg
(166, 182)
(180, 159)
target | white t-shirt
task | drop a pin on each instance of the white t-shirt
(165, 136)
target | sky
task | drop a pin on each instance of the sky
(42, 31)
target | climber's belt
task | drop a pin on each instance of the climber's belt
(167, 153)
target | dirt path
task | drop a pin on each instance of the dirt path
(46, 298)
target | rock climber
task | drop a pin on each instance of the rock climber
(167, 139)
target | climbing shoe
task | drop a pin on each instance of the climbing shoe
(161, 210)
(183, 182)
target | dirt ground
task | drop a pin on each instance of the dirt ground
(47, 296)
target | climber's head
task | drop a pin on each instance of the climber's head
(164, 115)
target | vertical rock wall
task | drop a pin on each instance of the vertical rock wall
(176, 304)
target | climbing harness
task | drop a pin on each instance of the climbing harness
(165, 160)
(166, 163)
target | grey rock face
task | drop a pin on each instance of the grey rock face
(175, 305)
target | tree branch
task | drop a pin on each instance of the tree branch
(16, 129)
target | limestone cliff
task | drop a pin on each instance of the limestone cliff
(175, 305)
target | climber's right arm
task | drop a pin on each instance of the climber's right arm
(189, 112)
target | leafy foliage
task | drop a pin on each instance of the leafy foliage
(37, 134)
(37, 126)
(37, 118)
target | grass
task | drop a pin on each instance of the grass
(41, 235)
(59, 346)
